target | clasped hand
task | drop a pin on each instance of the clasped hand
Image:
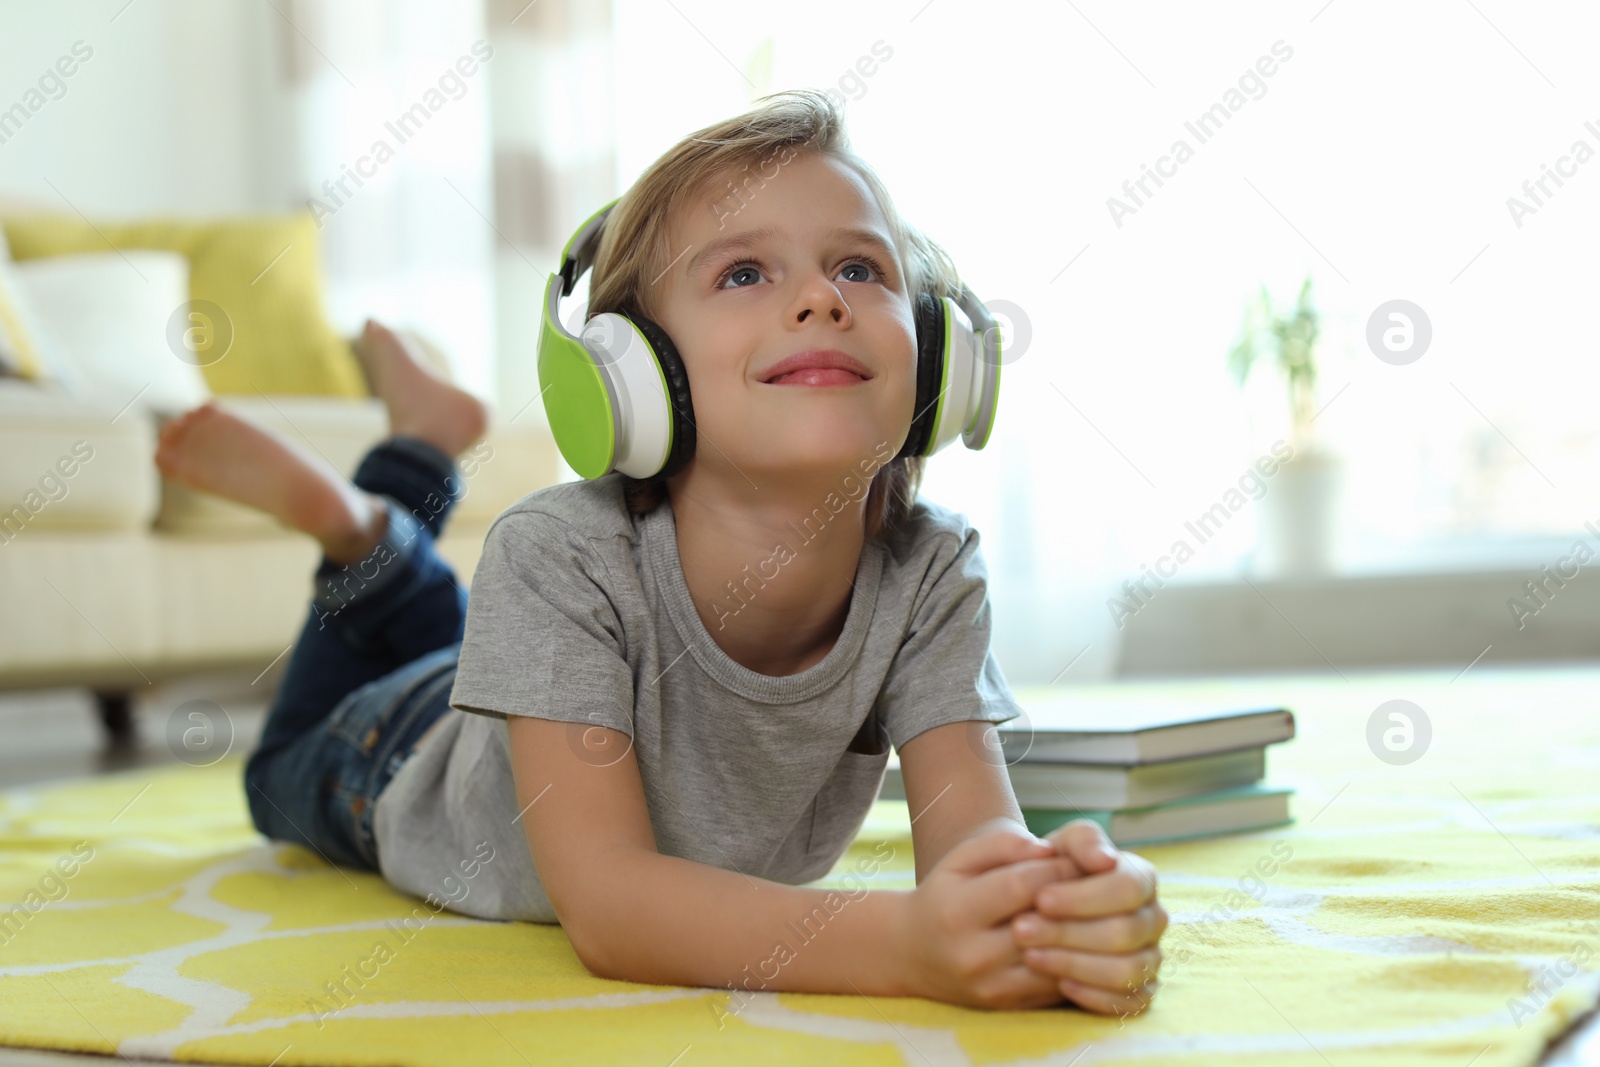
(1009, 920)
(1097, 930)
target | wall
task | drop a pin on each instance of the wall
(177, 109)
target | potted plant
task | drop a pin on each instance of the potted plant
(1300, 510)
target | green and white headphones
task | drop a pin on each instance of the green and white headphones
(618, 397)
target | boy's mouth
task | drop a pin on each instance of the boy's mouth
(817, 367)
(819, 376)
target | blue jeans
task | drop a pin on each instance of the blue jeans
(371, 671)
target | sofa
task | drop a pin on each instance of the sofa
(112, 577)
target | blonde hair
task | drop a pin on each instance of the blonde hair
(634, 251)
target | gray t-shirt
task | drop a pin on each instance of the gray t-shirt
(579, 612)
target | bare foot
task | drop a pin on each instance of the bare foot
(216, 451)
(420, 404)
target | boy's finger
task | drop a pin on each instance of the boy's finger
(995, 849)
(996, 895)
(1111, 934)
(1086, 844)
(1107, 1002)
(1127, 887)
(1117, 973)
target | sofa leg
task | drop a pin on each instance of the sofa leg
(116, 711)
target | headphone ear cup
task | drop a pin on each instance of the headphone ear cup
(930, 313)
(678, 397)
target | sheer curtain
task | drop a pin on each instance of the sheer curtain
(555, 164)
(390, 136)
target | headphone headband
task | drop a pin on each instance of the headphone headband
(578, 255)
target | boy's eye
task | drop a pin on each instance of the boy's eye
(742, 268)
(863, 264)
(749, 267)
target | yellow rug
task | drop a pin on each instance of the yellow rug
(1443, 911)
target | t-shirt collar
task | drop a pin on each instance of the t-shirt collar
(661, 539)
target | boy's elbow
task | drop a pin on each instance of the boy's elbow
(587, 916)
(601, 964)
(604, 939)
(590, 949)
(593, 963)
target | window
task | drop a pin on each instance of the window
(1381, 169)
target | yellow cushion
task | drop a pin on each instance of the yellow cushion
(16, 350)
(264, 272)
(18, 347)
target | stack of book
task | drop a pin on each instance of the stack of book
(1147, 773)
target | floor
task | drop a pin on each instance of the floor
(56, 734)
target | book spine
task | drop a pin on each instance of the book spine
(1041, 821)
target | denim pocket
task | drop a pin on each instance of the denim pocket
(350, 811)
(359, 719)
(370, 727)
(363, 718)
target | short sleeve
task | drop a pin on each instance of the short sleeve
(542, 637)
(944, 670)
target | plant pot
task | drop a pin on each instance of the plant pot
(1298, 518)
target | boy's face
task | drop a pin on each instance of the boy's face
(734, 311)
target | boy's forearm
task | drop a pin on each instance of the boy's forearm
(665, 920)
(931, 852)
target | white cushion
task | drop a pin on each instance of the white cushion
(111, 313)
(509, 463)
(67, 463)
(512, 460)
(332, 430)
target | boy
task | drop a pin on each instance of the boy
(668, 769)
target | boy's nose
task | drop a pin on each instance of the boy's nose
(838, 312)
